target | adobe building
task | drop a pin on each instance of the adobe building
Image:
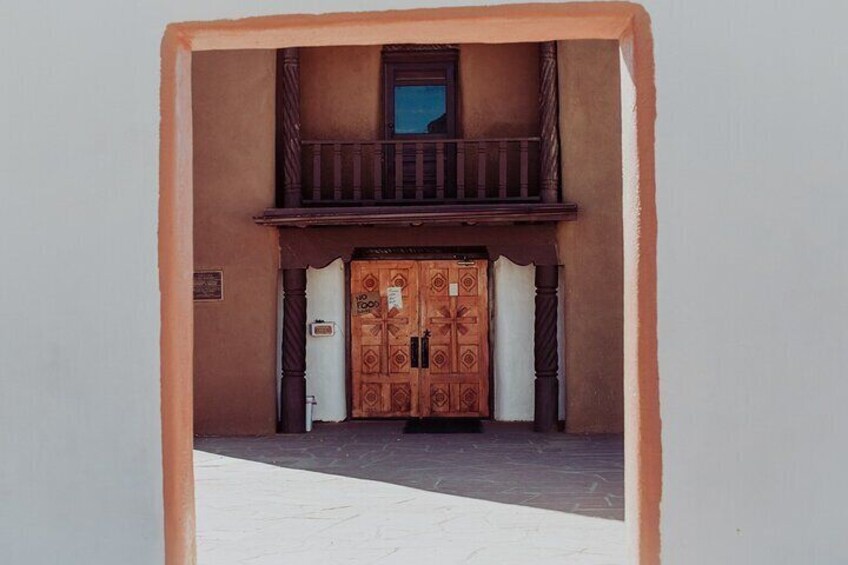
(408, 231)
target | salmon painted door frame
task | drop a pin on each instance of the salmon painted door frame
(627, 23)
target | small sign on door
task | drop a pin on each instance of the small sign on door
(365, 302)
(394, 296)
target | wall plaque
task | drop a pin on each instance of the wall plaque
(209, 285)
(365, 302)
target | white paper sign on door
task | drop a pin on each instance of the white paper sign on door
(453, 289)
(394, 297)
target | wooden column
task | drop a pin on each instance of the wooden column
(288, 128)
(293, 389)
(545, 350)
(548, 115)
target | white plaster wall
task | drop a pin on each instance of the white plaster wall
(752, 169)
(752, 164)
(325, 356)
(512, 331)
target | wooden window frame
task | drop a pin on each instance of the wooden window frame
(420, 62)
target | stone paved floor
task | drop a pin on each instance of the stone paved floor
(506, 463)
(365, 493)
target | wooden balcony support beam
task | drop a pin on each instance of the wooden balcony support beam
(446, 214)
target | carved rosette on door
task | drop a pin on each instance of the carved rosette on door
(429, 357)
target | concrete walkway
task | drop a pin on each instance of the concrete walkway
(258, 512)
(506, 463)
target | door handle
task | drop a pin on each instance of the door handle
(425, 350)
(413, 351)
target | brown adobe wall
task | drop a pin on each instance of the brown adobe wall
(498, 90)
(591, 247)
(340, 93)
(235, 339)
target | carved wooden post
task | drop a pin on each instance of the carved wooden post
(288, 127)
(548, 115)
(545, 350)
(293, 389)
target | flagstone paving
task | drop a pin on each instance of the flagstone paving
(365, 493)
(506, 463)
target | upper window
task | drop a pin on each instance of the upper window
(420, 109)
(420, 93)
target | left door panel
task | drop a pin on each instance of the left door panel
(385, 382)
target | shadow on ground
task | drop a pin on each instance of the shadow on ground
(507, 463)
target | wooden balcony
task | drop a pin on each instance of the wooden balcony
(414, 182)
(415, 172)
(422, 178)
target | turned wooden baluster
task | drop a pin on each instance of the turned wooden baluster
(419, 171)
(378, 171)
(524, 169)
(316, 172)
(337, 172)
(398, 171)
(460, 170)
(481, 169)
(502, 169)
(440, 170)
(357, 172)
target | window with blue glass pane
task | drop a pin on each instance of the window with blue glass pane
(420, 109)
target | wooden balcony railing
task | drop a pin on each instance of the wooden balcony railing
(373, 173)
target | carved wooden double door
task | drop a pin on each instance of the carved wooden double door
(419, 338)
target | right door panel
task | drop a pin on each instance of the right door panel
(455, 322)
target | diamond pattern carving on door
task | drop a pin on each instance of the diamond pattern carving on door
(440, 398)
(468, 399)
(451, 302)
(439, 282)
(399, 359)
(401, 397)
(468, 359)
(454, 307)
(384, 382)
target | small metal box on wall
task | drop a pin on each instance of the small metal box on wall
(320, 328)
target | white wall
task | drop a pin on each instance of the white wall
(752, 167)
(752, 164)
(325, 356)
(512, 353)
(512, 329)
